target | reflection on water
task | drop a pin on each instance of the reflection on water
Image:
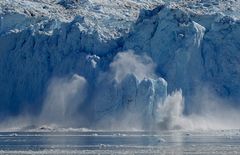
(175, 142)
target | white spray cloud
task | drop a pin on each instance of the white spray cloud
(63, 99)
(170, 112)
(212, 112)
(125, 63)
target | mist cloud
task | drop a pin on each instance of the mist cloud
(64, 95)
(126, 63)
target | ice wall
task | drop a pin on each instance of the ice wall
(192, 44)
(191, 49)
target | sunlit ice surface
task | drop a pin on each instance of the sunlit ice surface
(121, 142)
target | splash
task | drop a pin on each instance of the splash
(64, 96)
(170, 113)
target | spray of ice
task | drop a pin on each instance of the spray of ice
(64, 97)
(128, 62)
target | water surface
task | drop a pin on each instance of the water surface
(94, 142)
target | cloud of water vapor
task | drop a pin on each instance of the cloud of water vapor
(211, 112)
(64, 96)
(126, 63)
(170, 113)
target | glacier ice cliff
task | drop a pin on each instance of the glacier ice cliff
(191, 49)
(177, 45)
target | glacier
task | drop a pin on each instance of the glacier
(93, 60)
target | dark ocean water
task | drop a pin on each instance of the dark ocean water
(94, 142)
